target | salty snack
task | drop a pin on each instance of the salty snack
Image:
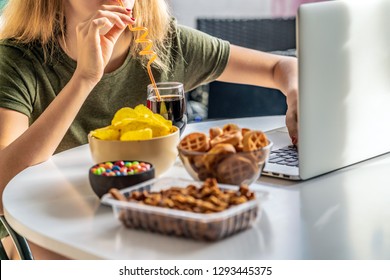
(209, 198)
(235, 169)
(230, 127)
(231, 154)
(130, 124)
(203, 211)
(233, 137)
(196, 141)
(254, 140)
(117, 194)
(216, 155)
(214, 132)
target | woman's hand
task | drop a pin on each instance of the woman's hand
(286, 77)
(292, 115)
(96, 38)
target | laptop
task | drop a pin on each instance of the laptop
(343, 49)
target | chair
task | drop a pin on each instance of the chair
(271, 35)
(20, 243)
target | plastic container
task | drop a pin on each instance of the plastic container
(210, 227)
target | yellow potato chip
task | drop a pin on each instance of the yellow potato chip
(132, 124)
(124, 122)
(139, 123)
(133, 135)
(158, 129)
(124, 113)
(106, 133)
(162, 120)
(143, 111)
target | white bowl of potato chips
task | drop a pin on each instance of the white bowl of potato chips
(136, 134)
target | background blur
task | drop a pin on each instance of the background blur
(266, 25)
(186, 11)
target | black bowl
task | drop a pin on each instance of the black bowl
(102, 184)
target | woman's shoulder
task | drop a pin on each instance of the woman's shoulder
(10, 45)
(12, 49)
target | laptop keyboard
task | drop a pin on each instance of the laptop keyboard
(285, 156)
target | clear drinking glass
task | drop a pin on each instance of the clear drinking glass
(172, 104)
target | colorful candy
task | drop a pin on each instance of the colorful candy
(120, 168)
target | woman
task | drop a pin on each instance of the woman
(68, 65)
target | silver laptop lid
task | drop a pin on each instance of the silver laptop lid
(344, 83)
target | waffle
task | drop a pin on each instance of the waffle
(232, 137)
(198, 166)
(254, 140)
(230, 127)
(244, 130)
(235, 170)
(214, 132)
(217, 154)
(196, 141)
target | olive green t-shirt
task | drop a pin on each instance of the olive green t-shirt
(28, 84)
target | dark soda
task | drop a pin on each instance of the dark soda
(171, 107)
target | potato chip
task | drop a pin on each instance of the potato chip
(158, 129)
(124, 113)
(106, 133)
(162, 120)
(143, 111)
(133, 135)
(139, 123)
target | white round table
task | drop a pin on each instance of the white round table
(340, 215)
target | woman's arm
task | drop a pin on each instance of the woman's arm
(12, 125)
(23, 146)
(247, 66)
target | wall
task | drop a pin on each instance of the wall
(186, 11)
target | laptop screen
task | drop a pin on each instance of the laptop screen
(344, 84)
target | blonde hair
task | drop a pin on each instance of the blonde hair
(154, 15)
(43, 21)
(31, 21)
